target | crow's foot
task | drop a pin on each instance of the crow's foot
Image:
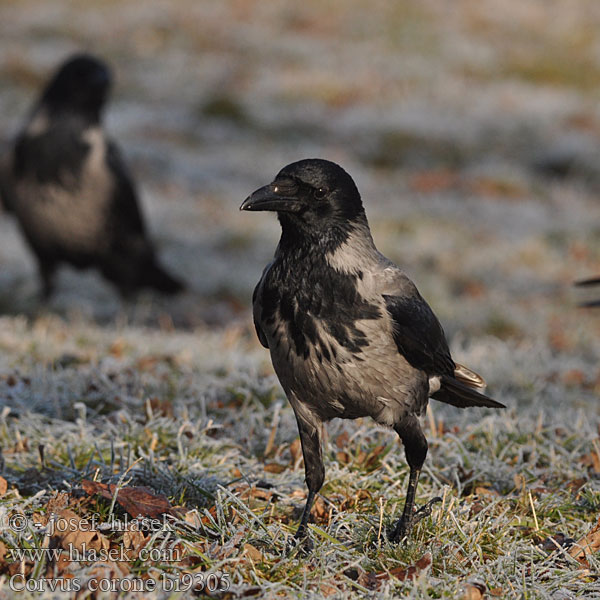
(405, 524)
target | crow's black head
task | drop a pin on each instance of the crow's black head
(80, 85)
(312, 196)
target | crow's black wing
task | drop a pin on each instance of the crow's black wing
(257, 307)
(125, 210)
(419, 335)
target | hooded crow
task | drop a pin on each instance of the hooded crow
(348, 332)
(70, 190)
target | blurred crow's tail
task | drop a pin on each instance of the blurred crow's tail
(155, 276)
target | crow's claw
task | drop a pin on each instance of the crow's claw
(404, 526)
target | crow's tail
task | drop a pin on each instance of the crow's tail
(461, 390)
(155, 276)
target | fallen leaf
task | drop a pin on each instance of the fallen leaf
(343, 457)
(275, 467)
(133, 541)
(319, 510)
(409, 572)
(591, 460)
(472, 592)
(328, 589)
(59, 501)
(588, 544)
(137, 501)
(193, 518)
(373, 456)
(74, 533)
(253, 553)
(342, 440)
(107, 570)
(296, 451)
(575, 484)
(164, 408)
(3, 486)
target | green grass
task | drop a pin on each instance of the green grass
(509, 482)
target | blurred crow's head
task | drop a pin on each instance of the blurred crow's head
(80, 85)
(312, 196)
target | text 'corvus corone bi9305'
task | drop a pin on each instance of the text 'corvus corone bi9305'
(72, 193)
(349, 334)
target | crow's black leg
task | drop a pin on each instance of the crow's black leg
(415, 448)
(310, 438)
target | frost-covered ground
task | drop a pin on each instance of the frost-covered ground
(473, 131)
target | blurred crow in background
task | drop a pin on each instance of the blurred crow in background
(70, 190)
(589, 283)
(348, 332)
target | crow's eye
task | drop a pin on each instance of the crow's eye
(320, 193)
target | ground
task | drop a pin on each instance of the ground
(472, 130)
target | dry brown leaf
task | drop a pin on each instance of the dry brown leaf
(253, 553)
(61, 565)
(591, 460)
(519, 481)
(107, 571)
(588, 544)
(260, 494)
(143, 501)
(117, 348)
(343, 457)
(3, 486)
(74, 533)
(59, 501)
(409, 572)
(275, 467)
(372, 457)
(341, 441)
(164, 408)
(133, 541)
(319, 509)
(137, 501)
(575, 484)
(328, 589)
(472, 592)
(296, 451)
(193, 518)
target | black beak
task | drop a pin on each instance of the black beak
(280, 196)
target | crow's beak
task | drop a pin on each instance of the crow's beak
(280, 196)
